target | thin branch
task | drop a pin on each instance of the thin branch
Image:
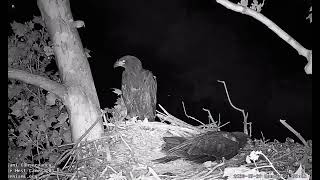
(245, 115)
(223, 124)
(170, 118)
(294, 132)
(39, 81)
(211, 120)
(272, 26)
(185, 112)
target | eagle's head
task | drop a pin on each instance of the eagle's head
(241, 137)
(128, 62)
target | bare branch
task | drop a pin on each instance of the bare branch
(185, 112)
(245, 115)
(170, 118)
(211, 120)
(272, 26)
(39, 81)
(294, 132)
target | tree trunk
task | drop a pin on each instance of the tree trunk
(78, 91)
(81, 99)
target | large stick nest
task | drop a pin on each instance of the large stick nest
(127, 149)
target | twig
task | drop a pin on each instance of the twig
(164, 110)
(245, 115)
(270, 165)
(214, 168)
(155, 175)
(185, 112)
(170, 118)
(211, 120)
(105, 170)
(294, 132)
(223, 124)
(263, 138)
(125, 143)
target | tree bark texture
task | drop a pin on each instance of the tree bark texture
(81, 97)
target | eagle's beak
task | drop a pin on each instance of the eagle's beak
(119, 63)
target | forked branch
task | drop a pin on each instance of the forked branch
(275, 28)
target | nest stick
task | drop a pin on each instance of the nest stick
(170, 118)
(294, 132)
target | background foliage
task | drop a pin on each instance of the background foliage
(38, 126)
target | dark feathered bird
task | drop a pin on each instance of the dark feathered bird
(139, 88)
(209, 146)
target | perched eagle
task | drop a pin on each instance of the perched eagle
(139, 88)
(209, 146)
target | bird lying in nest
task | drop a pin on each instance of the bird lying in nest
(209, 146)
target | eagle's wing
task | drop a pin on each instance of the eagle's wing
(215, 144)
(140, 93)
(208, 146)
(130, 90)
(149, 84)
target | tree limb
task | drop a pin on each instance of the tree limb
(39, 81)
(276, 29)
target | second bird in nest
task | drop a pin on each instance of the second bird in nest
(209, 146)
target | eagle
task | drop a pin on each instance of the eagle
(139, 88)
(208, 146)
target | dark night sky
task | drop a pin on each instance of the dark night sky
(189, 45)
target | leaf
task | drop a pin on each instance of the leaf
(55, 138)
(51, 99)
(38, 111)
(67, 137)
(57, 141)
(255, 5)
(50, 121)
(37, 20)
(53, 111)
(46, 154)
(48, 50)
(19, 108)
(18, 28)
(31, 25)
(22, 139)
(243, 3)
(42, 127)
(62, 118)
(13, 91)
(310, 15)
